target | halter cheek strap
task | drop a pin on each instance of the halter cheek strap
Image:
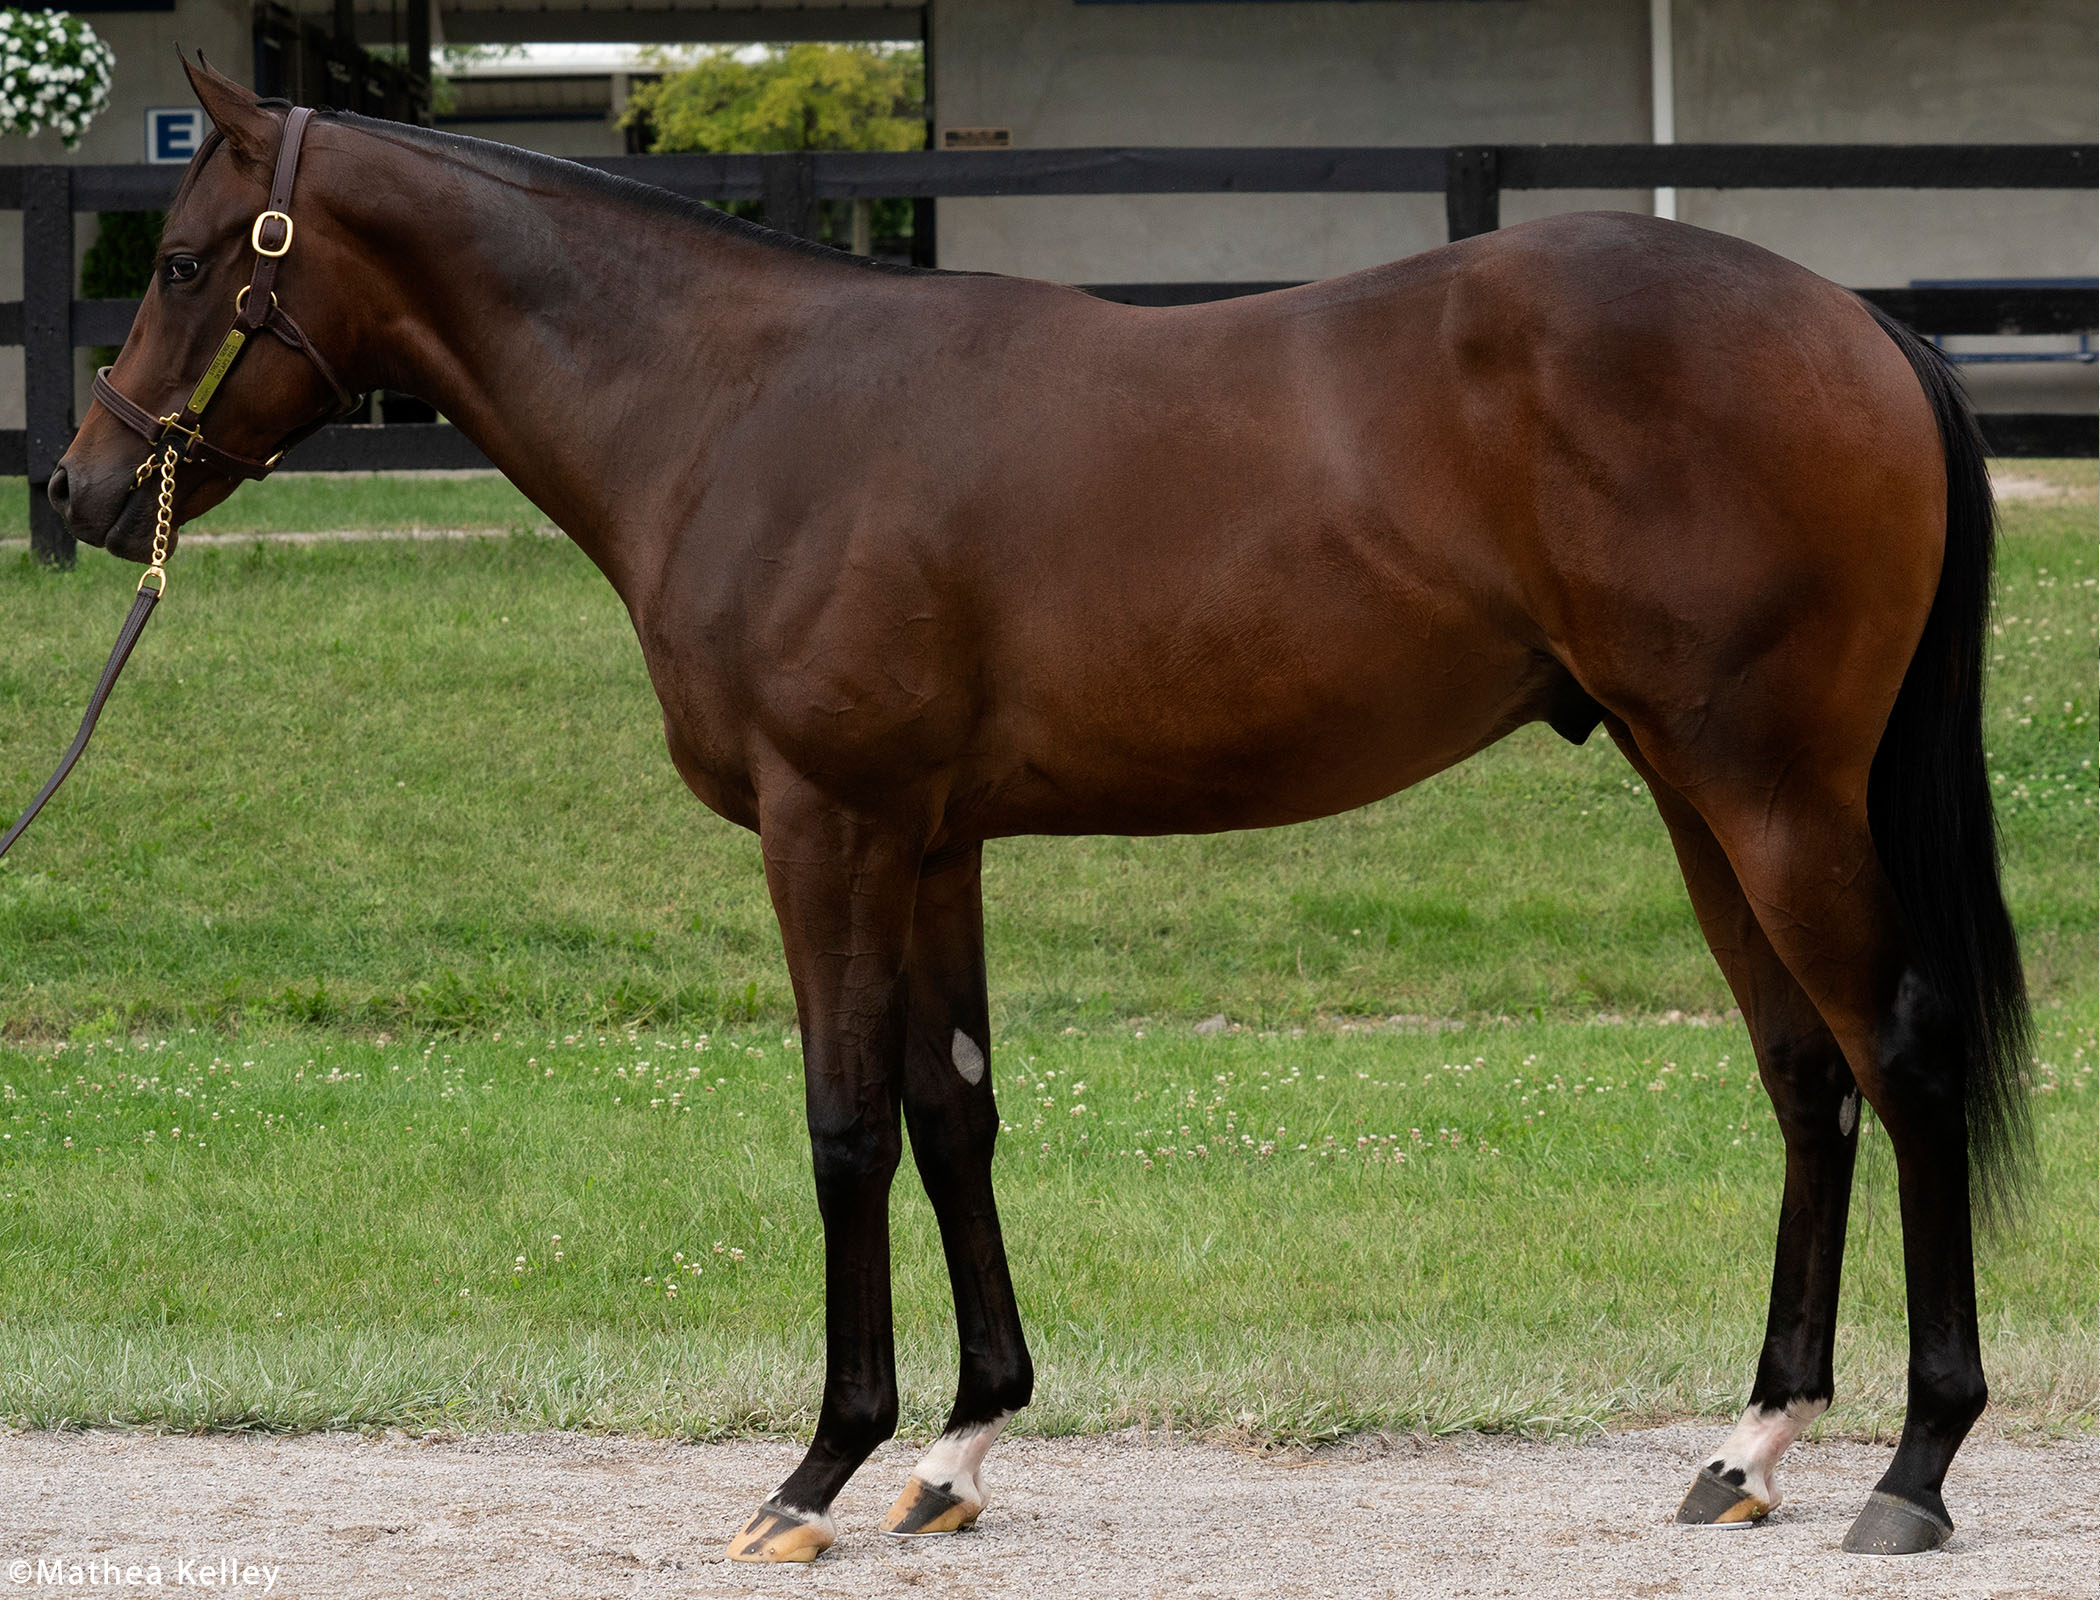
(255, 310)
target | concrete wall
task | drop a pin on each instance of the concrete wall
(147, 74)
(1058, 73)
(1510, 71)
(1897, 72)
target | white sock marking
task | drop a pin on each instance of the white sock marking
(968, 1059)
(1761, 1437)
(951, 1464)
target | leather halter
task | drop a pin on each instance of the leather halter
(255, 310)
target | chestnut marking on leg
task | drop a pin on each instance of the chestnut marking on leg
(782, 1533)
(1740, 1484)
(968, 1059)
(943, 1494)
(1848, 1114)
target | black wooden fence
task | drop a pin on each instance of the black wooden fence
(49, 322)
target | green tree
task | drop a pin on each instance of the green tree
(793, 97)
(787, 97)
(119, 264)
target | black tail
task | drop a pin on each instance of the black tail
(1929, 805)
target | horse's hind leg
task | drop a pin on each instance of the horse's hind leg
(842, 886)
(1795, 830)
(954, 1123)
(1817, 1104)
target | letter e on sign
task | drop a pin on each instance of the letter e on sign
(173, 134)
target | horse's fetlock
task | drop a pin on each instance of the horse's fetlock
(1012, 1388)
(854, 1427)
(1948, 1399)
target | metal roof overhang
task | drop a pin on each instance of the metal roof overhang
(579, 22)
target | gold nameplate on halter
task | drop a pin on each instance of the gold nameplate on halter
(255, 234)
(208, 385)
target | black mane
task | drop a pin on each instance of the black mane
(505, 161)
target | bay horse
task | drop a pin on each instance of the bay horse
(923, 559)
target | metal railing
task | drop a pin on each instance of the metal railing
(49, 322)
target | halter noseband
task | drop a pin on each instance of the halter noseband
(255, 309)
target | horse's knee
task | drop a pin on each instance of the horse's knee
(952, 1140)
(849, 1153)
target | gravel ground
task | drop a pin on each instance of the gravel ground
(575, 1518)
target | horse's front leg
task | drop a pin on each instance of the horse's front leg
(842, 886)
(954, 1125)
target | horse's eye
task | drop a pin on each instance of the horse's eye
(183, 268)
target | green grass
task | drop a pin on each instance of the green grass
(378, 843)
(1542, 1226)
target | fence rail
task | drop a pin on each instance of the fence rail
(48, 322)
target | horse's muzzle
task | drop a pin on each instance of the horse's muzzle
(102, 509)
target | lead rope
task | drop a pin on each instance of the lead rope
(153, 583)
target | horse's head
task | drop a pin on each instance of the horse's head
(274, 393)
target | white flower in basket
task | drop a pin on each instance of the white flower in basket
(54, 73)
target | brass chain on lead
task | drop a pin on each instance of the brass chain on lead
(164, 516)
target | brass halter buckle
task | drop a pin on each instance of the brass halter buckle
(255, 234)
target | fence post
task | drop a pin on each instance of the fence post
(788, 181)
(47, 346)
(1472, 191)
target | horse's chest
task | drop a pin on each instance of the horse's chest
(704, 732)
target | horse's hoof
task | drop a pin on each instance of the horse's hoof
(923, 1509)
(1891, 1526)
(778, 1534)
(1714, 1502)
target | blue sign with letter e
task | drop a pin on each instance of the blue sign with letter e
(173, 134)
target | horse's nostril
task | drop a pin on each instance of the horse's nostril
(59, 489)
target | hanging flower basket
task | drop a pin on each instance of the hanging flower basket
(54, 73)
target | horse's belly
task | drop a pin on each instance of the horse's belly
(1303, 736)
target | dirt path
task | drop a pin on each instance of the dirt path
(573, 1518)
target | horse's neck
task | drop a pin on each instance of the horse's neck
(555, 329)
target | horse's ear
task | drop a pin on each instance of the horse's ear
(250, 132)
